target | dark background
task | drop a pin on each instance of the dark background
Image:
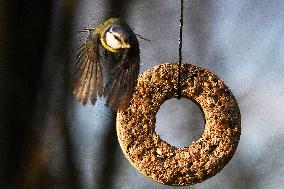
(47, 140)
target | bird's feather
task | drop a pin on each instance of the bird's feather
(88, 80)
(120, 87)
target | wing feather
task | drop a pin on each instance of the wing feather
(93, 86)
(111, 85)
(99, 80)
(88, 72)
(125, 88)
(87, 88)
(120, 87)
(118, 92)
(77, 75)
(81, 91)
(112, 91)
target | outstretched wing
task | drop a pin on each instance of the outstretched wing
(88, 79)
(120, 87)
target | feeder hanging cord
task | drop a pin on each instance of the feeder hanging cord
(180, 50)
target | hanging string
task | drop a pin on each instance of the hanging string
(180, 51)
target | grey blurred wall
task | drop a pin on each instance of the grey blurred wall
(242, 42)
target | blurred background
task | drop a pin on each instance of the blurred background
(48, 140)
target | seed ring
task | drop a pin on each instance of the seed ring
(157, 159)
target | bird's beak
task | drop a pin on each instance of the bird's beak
(125, 46)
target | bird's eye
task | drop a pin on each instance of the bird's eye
(117, 38)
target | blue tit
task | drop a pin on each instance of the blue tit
(119, 41)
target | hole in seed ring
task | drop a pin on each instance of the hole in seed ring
(179, 122)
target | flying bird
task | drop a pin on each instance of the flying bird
(121, 52)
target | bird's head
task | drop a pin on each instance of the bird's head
(116, 38)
